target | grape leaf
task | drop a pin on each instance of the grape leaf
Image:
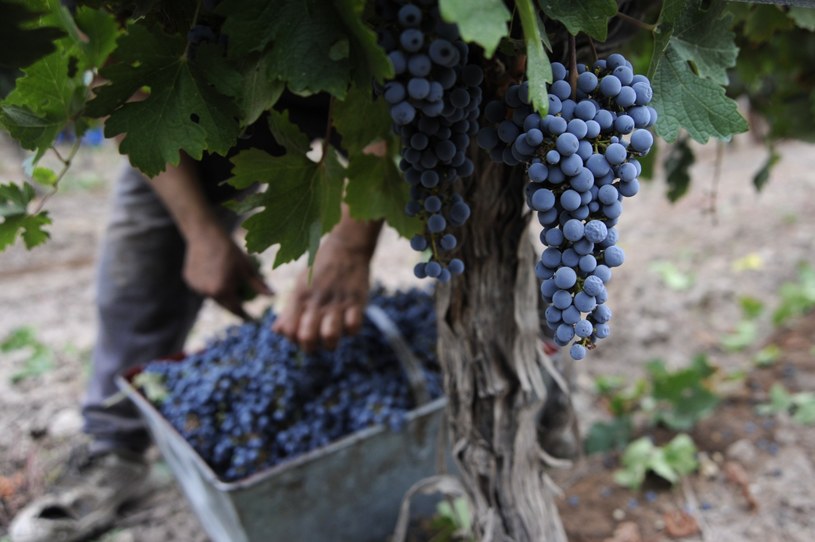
(538, 69)
(32, 131)
(688, 101)
(360, 119)
(803, 17)
(376, 190)
(300, 203)
(21, 45)
(183, 112)
(100, 33)
(250, 80)
(368, 58)
(42, 102)
(481, 21)
(287, 134)
(702, 36)
(260, 91)
(16, 220)
(589, 16)
(301, 34)
(678, 162)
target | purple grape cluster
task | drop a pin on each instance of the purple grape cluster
(582, 161)
(434, 103)
(252, 399)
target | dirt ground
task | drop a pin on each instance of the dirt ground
(751, 245)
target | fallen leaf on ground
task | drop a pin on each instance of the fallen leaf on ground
(679, 524)
(736, 474)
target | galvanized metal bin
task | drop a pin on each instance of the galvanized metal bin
(348, 491)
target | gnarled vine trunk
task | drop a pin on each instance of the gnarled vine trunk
(500, 394)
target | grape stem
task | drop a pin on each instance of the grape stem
(573, 65)
(66, 163)
(636, 22)
(192, 25)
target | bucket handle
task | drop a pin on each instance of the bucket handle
(410, 364)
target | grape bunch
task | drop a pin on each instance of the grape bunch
(434, 103)
(252, 399)
(582, 161)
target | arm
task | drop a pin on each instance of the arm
(214, 266)
(332, 304)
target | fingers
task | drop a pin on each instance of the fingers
(353, 319)
(331, 328)
(308, 330)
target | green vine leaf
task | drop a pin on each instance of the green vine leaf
(376, 190)
(21, 44)
(368, 58)
(301, 201)
(296, 36)
(16, 221)
(183, 111)
(702, 37)
(588, 16)
(803, 17)
(538, 69)
(360, 119)
(688, 101)
(480, 21)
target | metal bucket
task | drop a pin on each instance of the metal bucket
(348, 491)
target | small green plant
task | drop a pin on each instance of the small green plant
(452, 521)
(152, 385)
(672, 276)
(801, 406)
(746, 331)
(671, 462)
(39, 359)
(679, 399)
(767, 356)
(796, 297)
(675, 399)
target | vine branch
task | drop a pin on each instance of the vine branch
(66, 164)
(636, 22)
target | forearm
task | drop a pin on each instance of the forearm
(180, 191)
(355, 235)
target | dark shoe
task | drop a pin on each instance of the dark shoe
(89, 507)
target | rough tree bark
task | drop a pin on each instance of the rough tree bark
(500, 394)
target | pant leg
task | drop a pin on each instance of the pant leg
(145, 309)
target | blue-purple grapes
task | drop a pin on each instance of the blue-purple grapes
(580, 170)
(252, 399)
(434, 103)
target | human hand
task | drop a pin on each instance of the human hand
(332, 304)
(215, 267)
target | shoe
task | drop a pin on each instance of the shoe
(89, 507)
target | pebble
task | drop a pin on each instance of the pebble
(65, 423)
(742, 451)
(618, 514)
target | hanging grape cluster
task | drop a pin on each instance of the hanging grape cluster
(582, 161)
(434, 103)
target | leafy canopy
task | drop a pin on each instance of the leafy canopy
(163, 92)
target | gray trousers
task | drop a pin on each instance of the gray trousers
(145, 309)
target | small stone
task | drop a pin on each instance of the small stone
(618, 514)
(742, 451)
(65, 423)
(707, 467)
